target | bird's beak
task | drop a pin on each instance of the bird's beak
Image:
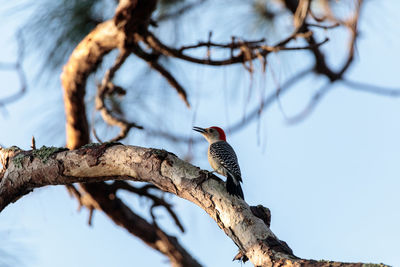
(200, 130)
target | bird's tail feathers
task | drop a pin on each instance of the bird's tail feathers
(233, 188)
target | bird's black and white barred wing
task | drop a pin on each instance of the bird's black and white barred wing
(225, 154)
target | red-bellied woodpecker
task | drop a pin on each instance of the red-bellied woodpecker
(223, 158)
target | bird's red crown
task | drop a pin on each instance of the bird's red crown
(221, 132)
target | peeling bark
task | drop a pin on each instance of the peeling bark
(166, 171)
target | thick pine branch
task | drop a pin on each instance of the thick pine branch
(26, 170)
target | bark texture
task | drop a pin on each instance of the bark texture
(25, 171)
(83, 61)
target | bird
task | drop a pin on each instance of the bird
(223, 159)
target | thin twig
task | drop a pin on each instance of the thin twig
(325, 27)
(240, 124)
(314, 101)
(232, 45)
(180, 11)
(353, 27)
(152, 60)
(106, 88)
(33, 143)
(369, 88)
(284, 48)
(144, 191)
(241, 57)
(267, 102)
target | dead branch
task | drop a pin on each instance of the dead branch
(251, 51)
(321, 66)
(232, 45)
(165, 50)
(251, 234)
(285, 48)
(107, 88)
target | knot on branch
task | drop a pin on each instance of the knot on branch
(263, 213)
(275, 244)
(279, 246)
(94, 151)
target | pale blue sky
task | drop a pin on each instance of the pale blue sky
(331, 182)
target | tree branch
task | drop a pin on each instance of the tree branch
(254, 49)
(370, 88)
(144, 192)
(107, 88)
(27, 171)
(83, 61)
(152, 60)
(151, 234)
